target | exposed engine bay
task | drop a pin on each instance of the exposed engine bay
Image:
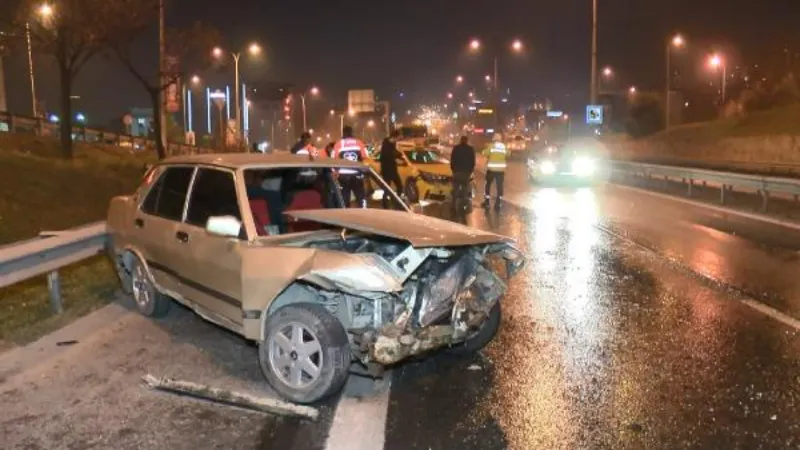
(397, 301)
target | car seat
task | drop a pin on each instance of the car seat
(260, 210)
(304, 200)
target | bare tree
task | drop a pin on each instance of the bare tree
(187, 47)
(71, 31)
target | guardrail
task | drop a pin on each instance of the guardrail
(41, 127)
(48, 253)
(764, 186)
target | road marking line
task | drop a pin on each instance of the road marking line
(721, 209)
(359, 422)
(742, 296)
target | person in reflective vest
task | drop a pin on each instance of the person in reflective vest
(305, 147)
(496, 155)
(351, 180)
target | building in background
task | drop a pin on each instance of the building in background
(142, 124)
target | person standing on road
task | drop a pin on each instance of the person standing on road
(462, 164)
(388, 159)
(351, 180)
(496, 161)
(305, 147)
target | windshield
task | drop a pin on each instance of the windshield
(425, 156)
(273, 192)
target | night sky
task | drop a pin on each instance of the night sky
(418, 47)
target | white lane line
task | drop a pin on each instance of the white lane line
(721, 209)
(749, 302)
(772, 312)
(359, 422)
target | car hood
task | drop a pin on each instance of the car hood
(436, 169)
(419, 230)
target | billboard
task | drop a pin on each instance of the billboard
(361, 101)
(173, 92)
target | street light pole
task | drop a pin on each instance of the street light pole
(303, 103)
(724, 82)
(236, 95)
(30, 69)
(162, 110)
(495, 76)
(594, 53)
(667, 106)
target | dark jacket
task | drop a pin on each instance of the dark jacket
(389, 156)
(462, 160)
(297, 147)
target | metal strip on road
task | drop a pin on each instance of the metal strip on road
(360, 419)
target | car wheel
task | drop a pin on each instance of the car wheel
(412, 191)
(149, 301)
(482, 337)
(306, 353)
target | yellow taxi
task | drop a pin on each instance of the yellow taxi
(425, 173)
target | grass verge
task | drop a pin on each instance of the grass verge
(40, 191)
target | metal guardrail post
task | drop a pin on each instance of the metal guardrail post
(722, 194)
(54, 287)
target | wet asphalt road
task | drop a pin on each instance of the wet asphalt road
(614, 337)
(628, 328)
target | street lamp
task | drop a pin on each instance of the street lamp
(313, 91)
(459, 79)
(45, 12)
(675, 42)
(475, 45)
(632, 90)
(254, 50)
(450, 95)
(716, 62)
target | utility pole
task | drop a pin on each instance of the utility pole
(3, 104)
(30, 69)
(594, 53)
(162, 110)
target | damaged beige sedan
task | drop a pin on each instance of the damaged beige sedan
(290, 253)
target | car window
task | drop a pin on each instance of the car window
(424, 156)
(213, 194)
(167, 197)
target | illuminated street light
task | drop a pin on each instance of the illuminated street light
(475, 44)
(716, 62)
(632, 90)
(332, 112)
(608, 72)
(516, 45)
(314, 90)
(488, 78)
(678, 41)
(195, 80)
(254, 49)
(450, 95)
(217, 52)
(371, 123)
(45, 11)
(351, 113)
(471, 94)
(459, 79)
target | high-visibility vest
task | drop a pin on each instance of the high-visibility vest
(309, 150)
(350, 149)
(497, 154)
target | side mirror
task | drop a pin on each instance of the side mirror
(225, 226)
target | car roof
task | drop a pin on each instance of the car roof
(258, 160)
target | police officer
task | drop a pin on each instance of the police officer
(351, 180)
(496, 155)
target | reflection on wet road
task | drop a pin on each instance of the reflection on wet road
(606, 344)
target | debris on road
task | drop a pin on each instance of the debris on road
(230, 398)
(66, 343)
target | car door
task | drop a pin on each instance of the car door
(210, 264)
(156, 220)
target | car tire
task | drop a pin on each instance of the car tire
(482, 337)
(149, 301)
(327, 352)
(412, 191)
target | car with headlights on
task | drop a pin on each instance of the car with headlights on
(562, 163)
(269, 247)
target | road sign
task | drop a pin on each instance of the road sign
(594, 114)
(361, 101)
(554, 114)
